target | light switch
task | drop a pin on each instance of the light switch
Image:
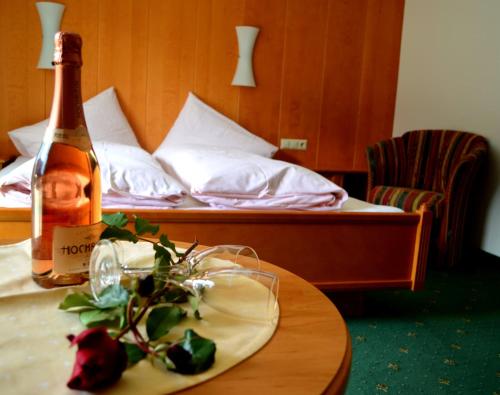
(296, 144)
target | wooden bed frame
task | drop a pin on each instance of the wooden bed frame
(334, 251)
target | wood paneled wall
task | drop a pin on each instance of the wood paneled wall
(326, 70)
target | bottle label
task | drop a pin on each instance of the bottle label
(72, 246)
(78, 137)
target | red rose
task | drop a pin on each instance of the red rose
(100, 360)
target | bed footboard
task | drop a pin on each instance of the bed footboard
(334, 251)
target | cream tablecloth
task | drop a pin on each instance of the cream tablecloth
(34, 353)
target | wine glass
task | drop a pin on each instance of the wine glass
(225, 277)
(240, 292)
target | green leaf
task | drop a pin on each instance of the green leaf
(161, 252)
(163, 318)
(98, 317)
(77, 302)
(162, 258)
(175, 295)
(117, 219)
(167, 243)
(192, 354)
(112, 296)
(113, 232)
(143, 226)
(134, 353)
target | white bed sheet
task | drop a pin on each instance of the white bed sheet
(15, 199)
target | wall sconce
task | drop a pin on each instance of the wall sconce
(244, 70)
(50, 18)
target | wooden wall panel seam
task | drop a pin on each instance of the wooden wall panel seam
(148, 50)
(99, 48)
(283, 68)
(196, 47)
(146, 69)
(361, 88)
(323, 77)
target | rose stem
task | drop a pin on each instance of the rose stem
(143, 345)
(152, 298)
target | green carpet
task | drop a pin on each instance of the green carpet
(441, 340)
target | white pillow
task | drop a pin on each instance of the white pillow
(105, 122)
(231, 178)
(199, 123)
(28, 138)
(131, 171)
(126, 171)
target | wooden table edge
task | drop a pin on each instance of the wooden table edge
(339, 383)
(336, 384)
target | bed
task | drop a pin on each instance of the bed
(331, 248)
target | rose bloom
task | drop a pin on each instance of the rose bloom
(100, 360)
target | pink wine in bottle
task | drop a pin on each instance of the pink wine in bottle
(66, 186)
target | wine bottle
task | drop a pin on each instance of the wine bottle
(66, 186)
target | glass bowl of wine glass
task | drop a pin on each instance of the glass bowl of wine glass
(227, 278)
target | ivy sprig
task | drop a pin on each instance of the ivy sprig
(153, 297)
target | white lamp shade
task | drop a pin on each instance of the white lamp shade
(244, 69)
(50, 18)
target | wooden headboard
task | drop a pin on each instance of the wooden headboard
(326, 70)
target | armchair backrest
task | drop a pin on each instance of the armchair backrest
(433, 155)
(422, 159)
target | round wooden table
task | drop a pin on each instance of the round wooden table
(310, 352)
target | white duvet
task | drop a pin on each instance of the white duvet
(229, 178)
(129, 177)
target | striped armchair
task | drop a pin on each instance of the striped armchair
(433, 167)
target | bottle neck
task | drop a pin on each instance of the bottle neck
(67, 108)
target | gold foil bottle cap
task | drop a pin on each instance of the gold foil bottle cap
(68, 48)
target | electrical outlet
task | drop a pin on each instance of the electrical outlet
(297, 144)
